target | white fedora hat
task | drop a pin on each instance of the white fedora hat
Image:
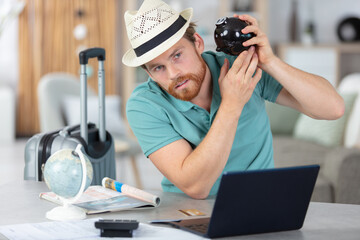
(152, 30)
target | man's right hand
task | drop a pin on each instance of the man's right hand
(238, 83)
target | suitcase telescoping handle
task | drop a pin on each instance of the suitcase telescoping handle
(84, 57)
(91, 53)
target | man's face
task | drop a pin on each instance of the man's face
(180, 70)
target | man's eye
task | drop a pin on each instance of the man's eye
(178, 55)
(158, 68)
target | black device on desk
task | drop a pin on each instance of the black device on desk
(257, 201)
(116, 228)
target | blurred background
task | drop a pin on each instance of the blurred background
(38, 37)
(45, 36)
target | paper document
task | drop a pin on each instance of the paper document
(85, 229)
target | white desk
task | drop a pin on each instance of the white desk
(20, 204)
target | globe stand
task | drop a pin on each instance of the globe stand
(68, 211)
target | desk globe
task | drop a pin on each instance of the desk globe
(68, 173)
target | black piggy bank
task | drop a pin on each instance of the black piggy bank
(228, 35)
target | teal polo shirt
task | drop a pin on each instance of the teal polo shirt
(157, 119)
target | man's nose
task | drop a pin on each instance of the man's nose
(174, 72)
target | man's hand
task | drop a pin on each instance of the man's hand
(263, 48)
(238, 83)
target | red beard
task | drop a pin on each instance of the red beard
(194, 84)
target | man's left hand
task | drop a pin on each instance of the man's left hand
(263, 48)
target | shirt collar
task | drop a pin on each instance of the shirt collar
(180, 105)
(214, 65)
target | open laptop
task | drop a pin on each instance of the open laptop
(257, 201)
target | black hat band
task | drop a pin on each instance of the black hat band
(160, 38)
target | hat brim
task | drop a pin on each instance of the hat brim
(130, 59)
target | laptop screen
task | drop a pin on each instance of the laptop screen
(258, 201)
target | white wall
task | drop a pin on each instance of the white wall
(326, 13)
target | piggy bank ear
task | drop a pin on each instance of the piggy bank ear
(221, 21)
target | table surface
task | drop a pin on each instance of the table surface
(20, 203)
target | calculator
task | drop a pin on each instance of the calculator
(116, 227)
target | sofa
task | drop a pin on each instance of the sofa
(334, 145)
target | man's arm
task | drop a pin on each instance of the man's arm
(195, 171)
(305, 92)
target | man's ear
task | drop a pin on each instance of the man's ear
(199, 43)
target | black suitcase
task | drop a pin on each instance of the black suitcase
(97, 142)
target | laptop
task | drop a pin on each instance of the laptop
(257, 201)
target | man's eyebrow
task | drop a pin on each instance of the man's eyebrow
(170, 56)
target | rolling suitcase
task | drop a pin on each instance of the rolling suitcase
(97, 142)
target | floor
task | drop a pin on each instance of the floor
(12, 167)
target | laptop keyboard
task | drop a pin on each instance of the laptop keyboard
(203, 227)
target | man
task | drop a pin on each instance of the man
(202, 113)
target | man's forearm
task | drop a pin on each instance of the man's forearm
(312, 94)
(205, 164)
